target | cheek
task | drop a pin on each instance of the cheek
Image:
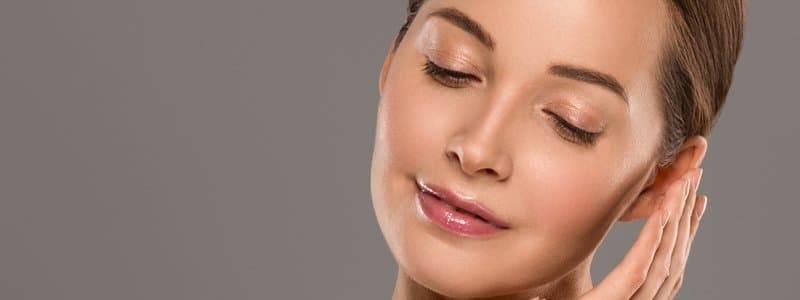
(410, 132)
(571, 206)
(579, 207)
(574, 198)
(414, 119)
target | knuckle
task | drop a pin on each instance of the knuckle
(636, 278)
(635, 282)
(680, 264)
(662, 272)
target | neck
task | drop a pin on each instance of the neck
(571, 286)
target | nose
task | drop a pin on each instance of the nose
(478, 152)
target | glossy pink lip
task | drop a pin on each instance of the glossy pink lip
(457, 214)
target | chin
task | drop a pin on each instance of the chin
(459, 267)
(463, 279)
(460, 285)
(461, 274)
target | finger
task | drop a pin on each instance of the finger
(648, 203)
(660, 270)
(700, 208)
(681, 252)
(677, 288)
(629, 275)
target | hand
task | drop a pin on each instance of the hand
(653, 268)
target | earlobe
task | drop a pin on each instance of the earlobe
(689, 157)
(645, 204)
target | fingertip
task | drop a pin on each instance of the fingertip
(701, 206)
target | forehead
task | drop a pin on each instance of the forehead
(620, 37)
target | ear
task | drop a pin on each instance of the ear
(387, 62)
(689, 157)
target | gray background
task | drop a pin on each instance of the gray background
(220, 150)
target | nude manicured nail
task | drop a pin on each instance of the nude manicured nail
(702, 208)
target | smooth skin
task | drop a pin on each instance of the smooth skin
(493, 136)
(654, 267)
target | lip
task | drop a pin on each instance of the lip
(455, 213)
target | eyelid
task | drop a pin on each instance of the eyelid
(579, 117)
(575, 134)
(447, 77)
(455, 61)
(450, 70)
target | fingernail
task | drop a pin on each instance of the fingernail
(664, 217)
(697, 179)
(702, 208)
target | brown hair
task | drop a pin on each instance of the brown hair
(696, 68)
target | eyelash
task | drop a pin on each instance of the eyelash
(456, 79)
(447, 77)
(573, 133)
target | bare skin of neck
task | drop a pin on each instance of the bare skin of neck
(571, 286)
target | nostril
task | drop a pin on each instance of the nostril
(453, 156)
(490, 172)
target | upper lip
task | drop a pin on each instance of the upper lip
(469, 205)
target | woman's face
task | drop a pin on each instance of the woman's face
(549, 118)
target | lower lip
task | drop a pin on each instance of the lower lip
(448, 218)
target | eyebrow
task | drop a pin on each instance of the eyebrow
(461, 20)
(458, 18)
(589, 76)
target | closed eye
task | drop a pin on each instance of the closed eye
(573, 133)
(448, 77)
